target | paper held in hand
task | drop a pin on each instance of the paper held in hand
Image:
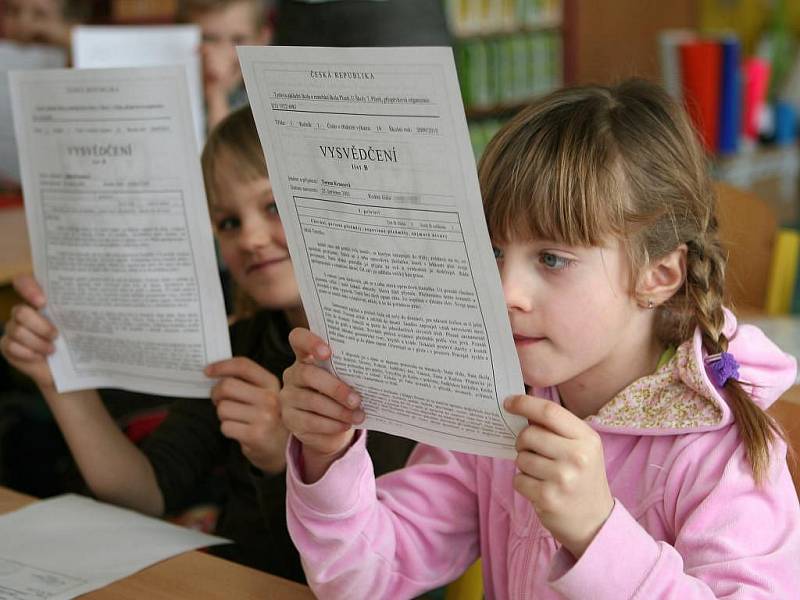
(371, 166)
(119, 228)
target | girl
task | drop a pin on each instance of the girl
(240, 428)
(648, 469)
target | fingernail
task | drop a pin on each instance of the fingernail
(353, 400)
(507, 403)
(358, 416)
(321, 352)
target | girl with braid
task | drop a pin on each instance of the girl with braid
(649, 468)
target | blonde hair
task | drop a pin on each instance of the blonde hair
(234, 141)
(588, 163)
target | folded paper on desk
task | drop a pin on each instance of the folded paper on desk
(70, 545)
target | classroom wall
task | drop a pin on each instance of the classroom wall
(614, 39)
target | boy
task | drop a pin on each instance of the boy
(43, 21)
(226, 24)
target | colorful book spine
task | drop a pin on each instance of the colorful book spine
(756, 81)
(701, 62)
(730, 97)
(795, 308)
(783, 272)
(469, 17)
(669, 42)
(499, 71)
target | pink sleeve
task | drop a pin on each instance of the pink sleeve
(413, 531)
(732, 540)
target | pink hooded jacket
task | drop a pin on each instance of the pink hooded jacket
(688, 520)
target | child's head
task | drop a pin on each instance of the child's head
(226, 24)
(43, 21)
(586, 166)
(610, 180)
(246, 223)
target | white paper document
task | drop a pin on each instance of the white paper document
(376, 185)
(119, 228)
(66, 546)
(16, 56)
(103, 47)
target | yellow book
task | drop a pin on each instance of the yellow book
(467, 587)
(783, 272)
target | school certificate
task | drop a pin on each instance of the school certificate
(119, 228)
(371, 166)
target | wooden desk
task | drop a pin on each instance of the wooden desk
(792, 395)
(192, 575)
(15, 255)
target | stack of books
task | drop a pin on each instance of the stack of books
(725, 93)
(470, 17)
(502, 71)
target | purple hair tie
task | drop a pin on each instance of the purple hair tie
(721, 367)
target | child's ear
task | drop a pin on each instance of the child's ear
(664, 276)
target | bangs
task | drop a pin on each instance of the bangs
(554, 173)
(233, 144)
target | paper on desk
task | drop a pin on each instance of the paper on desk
(370, 162)
(16, 56)
(102, 47)
(119, 228)
(66, 546)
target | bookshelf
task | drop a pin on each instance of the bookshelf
(507, 52)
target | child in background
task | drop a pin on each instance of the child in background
(649, 468)
(226, 24)
(47, 22)
(240, 428)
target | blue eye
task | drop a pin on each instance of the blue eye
(554, 262)
(272, 209)
(228, 224)
(498, 254)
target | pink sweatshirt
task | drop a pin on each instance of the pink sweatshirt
(688, 520)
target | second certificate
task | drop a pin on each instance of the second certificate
(376, 188)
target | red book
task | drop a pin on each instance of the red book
(701, 71)
(10, 200)
(756, 83)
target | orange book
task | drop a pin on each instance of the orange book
(701, 72)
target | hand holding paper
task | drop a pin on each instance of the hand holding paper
(371, 166)
(119, 228)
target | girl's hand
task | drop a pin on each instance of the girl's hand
(562, 471)
(29, 335)
(246, 397)
(318, 408)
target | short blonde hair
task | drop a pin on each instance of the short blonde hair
(234, 141)
(235, 137)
